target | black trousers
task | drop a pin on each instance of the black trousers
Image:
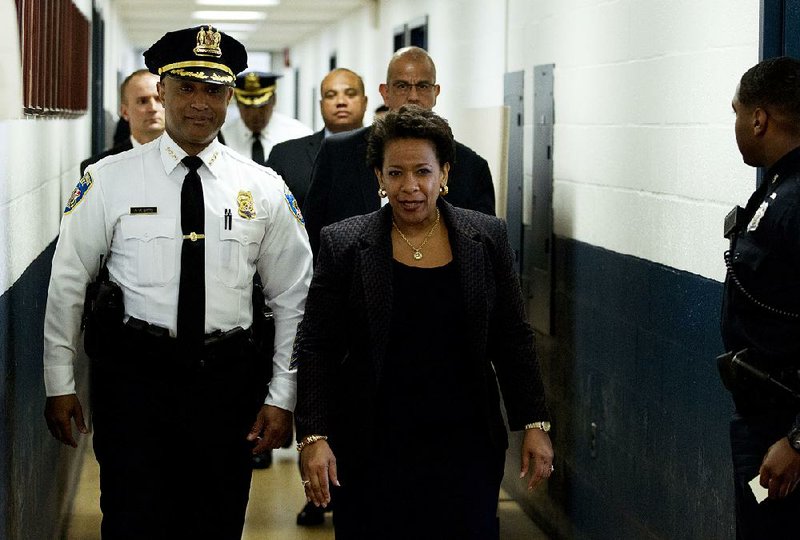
(751, 437)
(170, 438)
(427, 491)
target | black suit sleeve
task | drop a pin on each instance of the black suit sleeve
(315, 207)
(275, 162)
(122, 147)
(511, 340)
(470, 182)
(484, 188)
(320, 342)
(293, 160)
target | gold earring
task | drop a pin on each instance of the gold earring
(444, 190)
(381, 193)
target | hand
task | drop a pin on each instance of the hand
(537, 453)
(59, 412)
(271, 428)
(780, 470)
(317, 465)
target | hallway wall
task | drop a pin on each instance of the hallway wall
(645, 168)
(39, 159)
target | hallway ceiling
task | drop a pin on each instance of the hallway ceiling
(285, 24)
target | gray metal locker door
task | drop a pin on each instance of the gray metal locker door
(514, 100)
(538, 241)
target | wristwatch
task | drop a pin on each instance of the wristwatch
(545, 426)
(794, 438)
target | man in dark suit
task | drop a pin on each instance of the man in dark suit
(141, 108)
(342, 185)
(342, 104)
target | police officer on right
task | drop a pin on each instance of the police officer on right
(761, 306)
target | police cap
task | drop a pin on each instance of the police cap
(254, 89)
(200, 54)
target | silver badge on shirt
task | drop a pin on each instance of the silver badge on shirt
(753, 225)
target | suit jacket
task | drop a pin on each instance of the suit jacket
(342, 185)
(341, 343)
(294, 160)
(121, 147)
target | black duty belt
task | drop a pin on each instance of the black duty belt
(757, 384)
(219, 347)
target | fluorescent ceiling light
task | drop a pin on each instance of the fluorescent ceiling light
(229, 15)
(238, 3)
(229, 27)
(238, 36)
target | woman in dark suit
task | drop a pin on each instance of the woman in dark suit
(413, 316)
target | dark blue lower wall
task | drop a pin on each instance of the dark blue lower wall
(37, 475)
(640, 417)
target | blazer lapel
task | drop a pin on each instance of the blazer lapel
(376, 279)
(313, 146)
(468, 254)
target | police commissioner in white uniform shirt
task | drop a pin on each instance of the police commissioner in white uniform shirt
(128, 205)
(280, 128)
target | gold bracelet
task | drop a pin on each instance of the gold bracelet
(544, 426)
(310, 439)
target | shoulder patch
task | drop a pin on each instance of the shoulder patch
(84, 185)
(294, 208)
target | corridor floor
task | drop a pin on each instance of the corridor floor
(275, 498)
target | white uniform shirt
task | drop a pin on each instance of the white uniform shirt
(280, 128)
(128, 206)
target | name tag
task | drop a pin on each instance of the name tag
(144, 210)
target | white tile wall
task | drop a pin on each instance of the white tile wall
(645, 161)
(39, 161)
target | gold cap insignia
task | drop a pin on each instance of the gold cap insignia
(247, 208)
(208, 41)
(252, 82)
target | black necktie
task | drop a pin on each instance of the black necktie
(258, 149)
(192, 291)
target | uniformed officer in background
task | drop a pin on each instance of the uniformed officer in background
(761, 306)
(259, 127)
(179, 398)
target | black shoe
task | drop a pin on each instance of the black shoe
(262, 460)
(311, 515)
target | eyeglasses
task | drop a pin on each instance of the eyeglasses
(403, 88)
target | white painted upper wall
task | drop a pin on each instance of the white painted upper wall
(645, 161)
(39, 161)
(466, 41)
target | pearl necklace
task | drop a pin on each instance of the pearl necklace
(418, 250)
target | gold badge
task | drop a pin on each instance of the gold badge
(208, 42)
(247, 208)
